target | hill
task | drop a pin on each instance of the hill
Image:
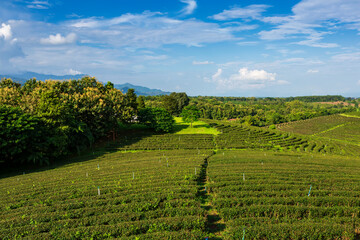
(139, 90)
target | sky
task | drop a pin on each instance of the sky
(260, 48)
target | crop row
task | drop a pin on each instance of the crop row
(110, 195)
(267, 195)
(164, 142)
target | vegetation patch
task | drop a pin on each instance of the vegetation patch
(198, 127)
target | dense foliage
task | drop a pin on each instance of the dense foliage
(156, 118)
(173, 103)
(264, 112)
(190, 114)
(54, 118)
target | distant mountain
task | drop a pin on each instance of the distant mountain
(23, 77)
(140, 90)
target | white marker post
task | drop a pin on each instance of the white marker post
(133, 175)
(243, 176)
(195, 171)
(99, 191)
(98, 167)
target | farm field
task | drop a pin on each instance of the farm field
(151, 195)
(317, 125)
(237, 182)
(344, 128)
(266, 195)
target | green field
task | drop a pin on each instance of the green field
(198, 127)
(267, 195)
(343, 128)
(217, 180)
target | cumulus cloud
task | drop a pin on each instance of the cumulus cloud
(73, 72)
(9, 48)
(5, 31)
(312, 71)
(201, 62)
(252, 11)
(246, 79)
(58, 39)
(190, 7)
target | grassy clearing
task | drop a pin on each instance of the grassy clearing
(199, 127)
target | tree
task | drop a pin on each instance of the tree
(23, 138)
(170, 104)
(182, 101)
(190, 114)
(175, 102)
(141, 102)
(131, 99)
(156, 118)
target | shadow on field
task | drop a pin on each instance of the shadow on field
(101, 147)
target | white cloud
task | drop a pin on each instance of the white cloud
(252, 11)
(9, 48)
(217, 75)
(58, 39)
(38, 4)
(245, 79)
(154, 57)
(201, 62)
(310, 17)
(190, 8)
(149, 30)
(358, 83)
(345, 57)
(73, 72)
(5, 31)
(312, 71)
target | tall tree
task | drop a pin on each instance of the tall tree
(190, 114)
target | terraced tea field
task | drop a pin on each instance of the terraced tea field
(236, 136)
(318, 125)
(243, 183)
(149, 195)
(267, 195)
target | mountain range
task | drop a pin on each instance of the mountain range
(139, 90)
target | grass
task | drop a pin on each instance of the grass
(198, 127)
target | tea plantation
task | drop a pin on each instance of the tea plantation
(243, 183)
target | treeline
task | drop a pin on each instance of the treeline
(259, 111)
(254, 100)
(265, 112)
(43, 121)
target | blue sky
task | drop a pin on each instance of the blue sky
(202, 47)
